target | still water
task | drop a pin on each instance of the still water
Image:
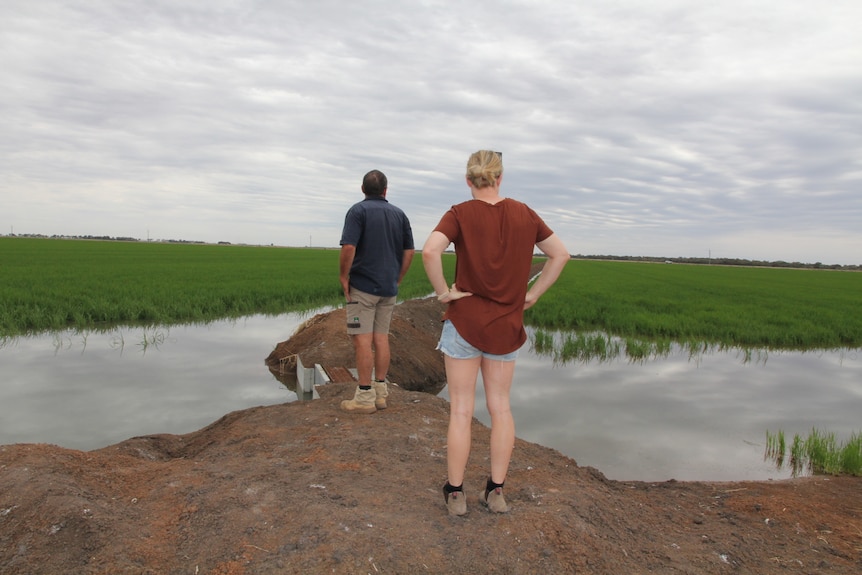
(673, 417)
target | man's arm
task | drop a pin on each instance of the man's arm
(406, 260)
(345, 261)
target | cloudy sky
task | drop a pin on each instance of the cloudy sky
(661, 128)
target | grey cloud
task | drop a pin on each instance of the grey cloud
(632, 129)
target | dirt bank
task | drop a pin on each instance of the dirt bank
(416, 364)
(416, 325)
(303, 488)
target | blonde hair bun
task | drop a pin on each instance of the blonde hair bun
(484, 167)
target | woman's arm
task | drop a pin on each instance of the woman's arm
(558, 256)
(432, 258)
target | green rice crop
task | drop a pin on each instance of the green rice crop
(776, 447)
(819, 453)
(543, 342)
(851, 455)
(822, 451)
(59, 284)
(798, 458)
(749, 308)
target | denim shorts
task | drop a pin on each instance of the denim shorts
(456, 347)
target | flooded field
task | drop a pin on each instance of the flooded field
(681, 417)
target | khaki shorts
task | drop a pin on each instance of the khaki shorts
(368, 313)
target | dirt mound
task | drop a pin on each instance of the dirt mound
(304, 488)
(416, 325)
(416, 364)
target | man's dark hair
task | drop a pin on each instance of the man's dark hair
(374, 183)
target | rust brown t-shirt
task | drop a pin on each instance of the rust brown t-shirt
(494, 248)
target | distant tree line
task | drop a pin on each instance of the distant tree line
(724, 262)
(102, 238)
(694, 261)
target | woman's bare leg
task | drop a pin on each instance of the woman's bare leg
(461, 378)
(497, 376)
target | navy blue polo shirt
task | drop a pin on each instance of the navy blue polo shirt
(381, 233)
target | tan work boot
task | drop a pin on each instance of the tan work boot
(382, 392)
(456, 501)
(493, 499)
(362, 402)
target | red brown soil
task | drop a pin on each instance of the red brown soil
(416, 365)
(304, 488)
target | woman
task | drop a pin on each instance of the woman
(483, 326)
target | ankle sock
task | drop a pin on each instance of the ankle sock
(365, 387)
(448, 488)
(380, 380)
(491, 486)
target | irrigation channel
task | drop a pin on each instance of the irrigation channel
(672, 417)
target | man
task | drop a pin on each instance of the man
(376, 251)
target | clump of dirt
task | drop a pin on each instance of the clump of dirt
(303, 488)
(416, 364)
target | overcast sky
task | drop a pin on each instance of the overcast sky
(634, 127)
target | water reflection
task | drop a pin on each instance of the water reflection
(89, 390)
(684, 417)
(675, 414)
(586, 347)
(146, 338)
(681, 414)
